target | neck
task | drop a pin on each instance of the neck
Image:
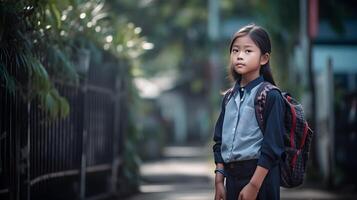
(246, 78)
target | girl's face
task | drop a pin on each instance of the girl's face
(246, 57)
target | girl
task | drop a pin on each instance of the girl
(244, 156)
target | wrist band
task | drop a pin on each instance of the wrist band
(221, 171)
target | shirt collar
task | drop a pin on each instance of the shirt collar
(250, 85)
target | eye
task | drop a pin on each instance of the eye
(248, 51)
(235, 50)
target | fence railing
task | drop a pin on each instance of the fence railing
(72, 158)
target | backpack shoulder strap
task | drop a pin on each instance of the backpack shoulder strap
(260, 101)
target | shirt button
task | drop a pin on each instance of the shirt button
(242, 89)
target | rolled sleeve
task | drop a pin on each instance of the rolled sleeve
(217, 137)
(273, 142)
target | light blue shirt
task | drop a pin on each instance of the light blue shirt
(241, 135)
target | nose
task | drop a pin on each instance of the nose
(239, 56)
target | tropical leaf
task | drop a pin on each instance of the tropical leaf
(39, 76)
(64, 107)
(63, 64)
(22, 61)
(7, 79)
(56, 13)
(38, 69)
(51, 105)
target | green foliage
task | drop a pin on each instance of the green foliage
(21, 62)
(131, 159)
(91, 22)
(40, 39)
(178, 30)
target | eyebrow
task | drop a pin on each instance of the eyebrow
(243, 46)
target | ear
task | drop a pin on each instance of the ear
(264, 59)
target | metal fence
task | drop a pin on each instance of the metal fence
(73, 158)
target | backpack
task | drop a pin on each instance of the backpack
(297, 135)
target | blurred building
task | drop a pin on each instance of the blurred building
(183, 115)
(335, 78)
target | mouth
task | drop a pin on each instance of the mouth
(239, 65)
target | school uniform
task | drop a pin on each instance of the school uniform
(241, 145)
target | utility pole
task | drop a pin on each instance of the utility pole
(213, 34)
(306, 32)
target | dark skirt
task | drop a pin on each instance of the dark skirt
(239, 174)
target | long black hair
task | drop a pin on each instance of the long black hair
(261, 38)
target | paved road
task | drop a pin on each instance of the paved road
(186, 173)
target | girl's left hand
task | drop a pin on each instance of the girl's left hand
(249, 192)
